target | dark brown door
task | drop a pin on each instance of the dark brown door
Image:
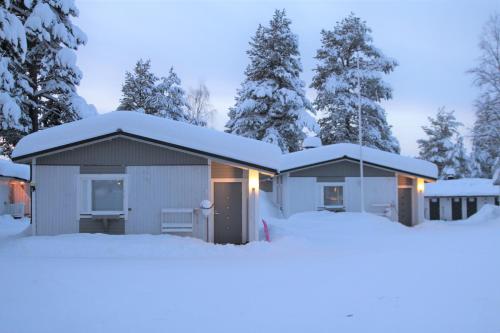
(456, 208)
(404, 206)
(228, 213)
(471, 206)
(434, 208)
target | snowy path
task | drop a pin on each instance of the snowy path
(323, 273)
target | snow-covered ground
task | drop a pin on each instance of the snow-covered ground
(322, 272)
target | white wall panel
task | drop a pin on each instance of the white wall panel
(56, 199)
(152, 188)
(377, 191)
(299, 195)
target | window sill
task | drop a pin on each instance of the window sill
(102, 215)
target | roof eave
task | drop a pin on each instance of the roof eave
(345, 157)
(27, 157)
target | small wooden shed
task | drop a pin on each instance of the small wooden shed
(458, 199)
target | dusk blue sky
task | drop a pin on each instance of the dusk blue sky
(435, 43)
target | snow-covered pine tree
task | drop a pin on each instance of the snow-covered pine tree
(335, 81)
(486, 130)
(457, 164)
(169, 98)
(139, 88)
(47, 76)
(51, 63)
(271, 104)
(439, 147)
(12, 54)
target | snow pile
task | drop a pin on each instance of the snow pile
(488, 213)
(462, 187)
(10, 227)
(14, 170)
(204, 140)
(349, 150)
(323, 272)
(117, 246)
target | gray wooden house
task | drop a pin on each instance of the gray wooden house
(14, 189)
(328, 178)
(130, 173)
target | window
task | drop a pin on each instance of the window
(103, 194)
(332, 195)
(107, 195)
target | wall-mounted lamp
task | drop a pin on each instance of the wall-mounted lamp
(253, 181)
(420, 185)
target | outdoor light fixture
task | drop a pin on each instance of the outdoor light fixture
(253, 181)
(420, 185)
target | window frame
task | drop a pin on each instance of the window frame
(86, 180)
(321, 194)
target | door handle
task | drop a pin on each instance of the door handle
(216, 212)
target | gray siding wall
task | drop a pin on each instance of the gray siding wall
(102, 169)
(115, 227)
(225, 171)
(121, 151)
(156, 187)
(341, 169)
(56, 199)
(301, 194)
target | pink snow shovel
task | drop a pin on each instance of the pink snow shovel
(266, 231)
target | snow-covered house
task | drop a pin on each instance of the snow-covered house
(328, 178)
(14, 188)
(130, 173)
(458, 199)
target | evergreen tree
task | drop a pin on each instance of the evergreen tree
(12, 54)
(169, 98)
(271, 104)
(45, 75)
(336, 82)
(440, 147)
(486, 130)
(139, 88)
(457, 164)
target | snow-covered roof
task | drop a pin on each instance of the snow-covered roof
(209, 142)
(372, 156)
(195, 138)
(14, 170)
(462, 187)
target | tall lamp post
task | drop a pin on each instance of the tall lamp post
(360, 139)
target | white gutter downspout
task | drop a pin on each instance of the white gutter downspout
(33, 197)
